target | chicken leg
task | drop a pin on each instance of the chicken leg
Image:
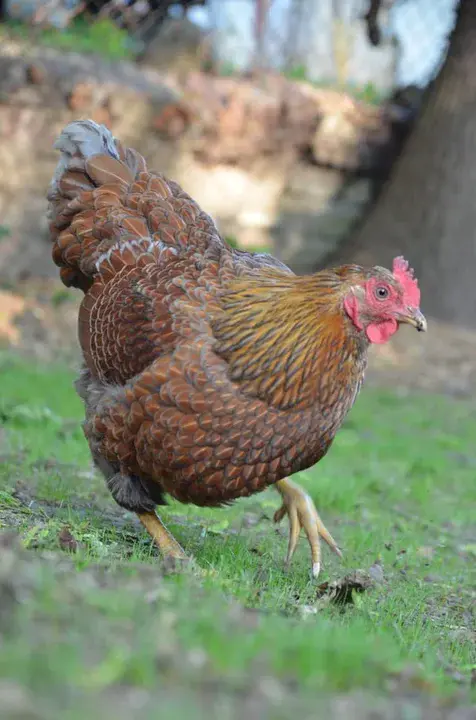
(164, 540)
(302, 513)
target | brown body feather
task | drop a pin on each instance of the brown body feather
(210, 373)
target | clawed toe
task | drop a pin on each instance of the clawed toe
(302, 514)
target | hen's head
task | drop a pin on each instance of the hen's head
(383, 300)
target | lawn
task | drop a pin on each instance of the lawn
(102, 37)
(92, 625)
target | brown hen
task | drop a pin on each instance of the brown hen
(210, 373)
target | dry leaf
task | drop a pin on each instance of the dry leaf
(341, 591)
(66, 541)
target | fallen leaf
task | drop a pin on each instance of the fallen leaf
(341, 591)
(66, 541)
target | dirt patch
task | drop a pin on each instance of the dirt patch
(38, 319)
(12, 306)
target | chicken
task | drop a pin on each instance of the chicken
(209, 373)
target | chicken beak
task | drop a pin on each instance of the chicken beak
(414, 317)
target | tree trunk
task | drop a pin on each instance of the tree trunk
(427, 210)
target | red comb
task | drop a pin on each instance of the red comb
(404, 274)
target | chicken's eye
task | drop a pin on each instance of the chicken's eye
(381, 292)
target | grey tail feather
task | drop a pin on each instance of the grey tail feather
(79, 140)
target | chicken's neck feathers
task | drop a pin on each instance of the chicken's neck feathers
(288, 341)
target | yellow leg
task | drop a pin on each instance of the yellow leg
(166, 543)
(302, 513)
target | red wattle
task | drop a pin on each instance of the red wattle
(379, 333)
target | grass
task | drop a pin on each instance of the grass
(367, 93)
(101, 37)
(107, 631)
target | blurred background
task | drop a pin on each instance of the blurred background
(323, 131)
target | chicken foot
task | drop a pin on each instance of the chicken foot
(302, 513)
(165, 541)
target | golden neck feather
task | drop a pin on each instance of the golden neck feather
(283, 336)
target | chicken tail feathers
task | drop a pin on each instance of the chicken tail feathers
(93, 173)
